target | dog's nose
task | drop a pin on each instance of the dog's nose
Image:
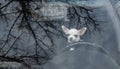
(71, 39)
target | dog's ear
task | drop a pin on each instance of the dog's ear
(82, 31)
(65, 29)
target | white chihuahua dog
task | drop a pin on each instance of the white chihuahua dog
(74, 34)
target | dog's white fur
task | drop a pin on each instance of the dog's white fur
(74, 34)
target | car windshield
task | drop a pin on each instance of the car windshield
(60, 34)
(98, 43)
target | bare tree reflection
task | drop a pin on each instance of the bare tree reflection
(23, 32)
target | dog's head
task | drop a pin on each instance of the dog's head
(74, 34)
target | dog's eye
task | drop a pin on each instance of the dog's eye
(76, 35)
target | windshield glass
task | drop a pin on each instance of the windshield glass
(60, 34)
